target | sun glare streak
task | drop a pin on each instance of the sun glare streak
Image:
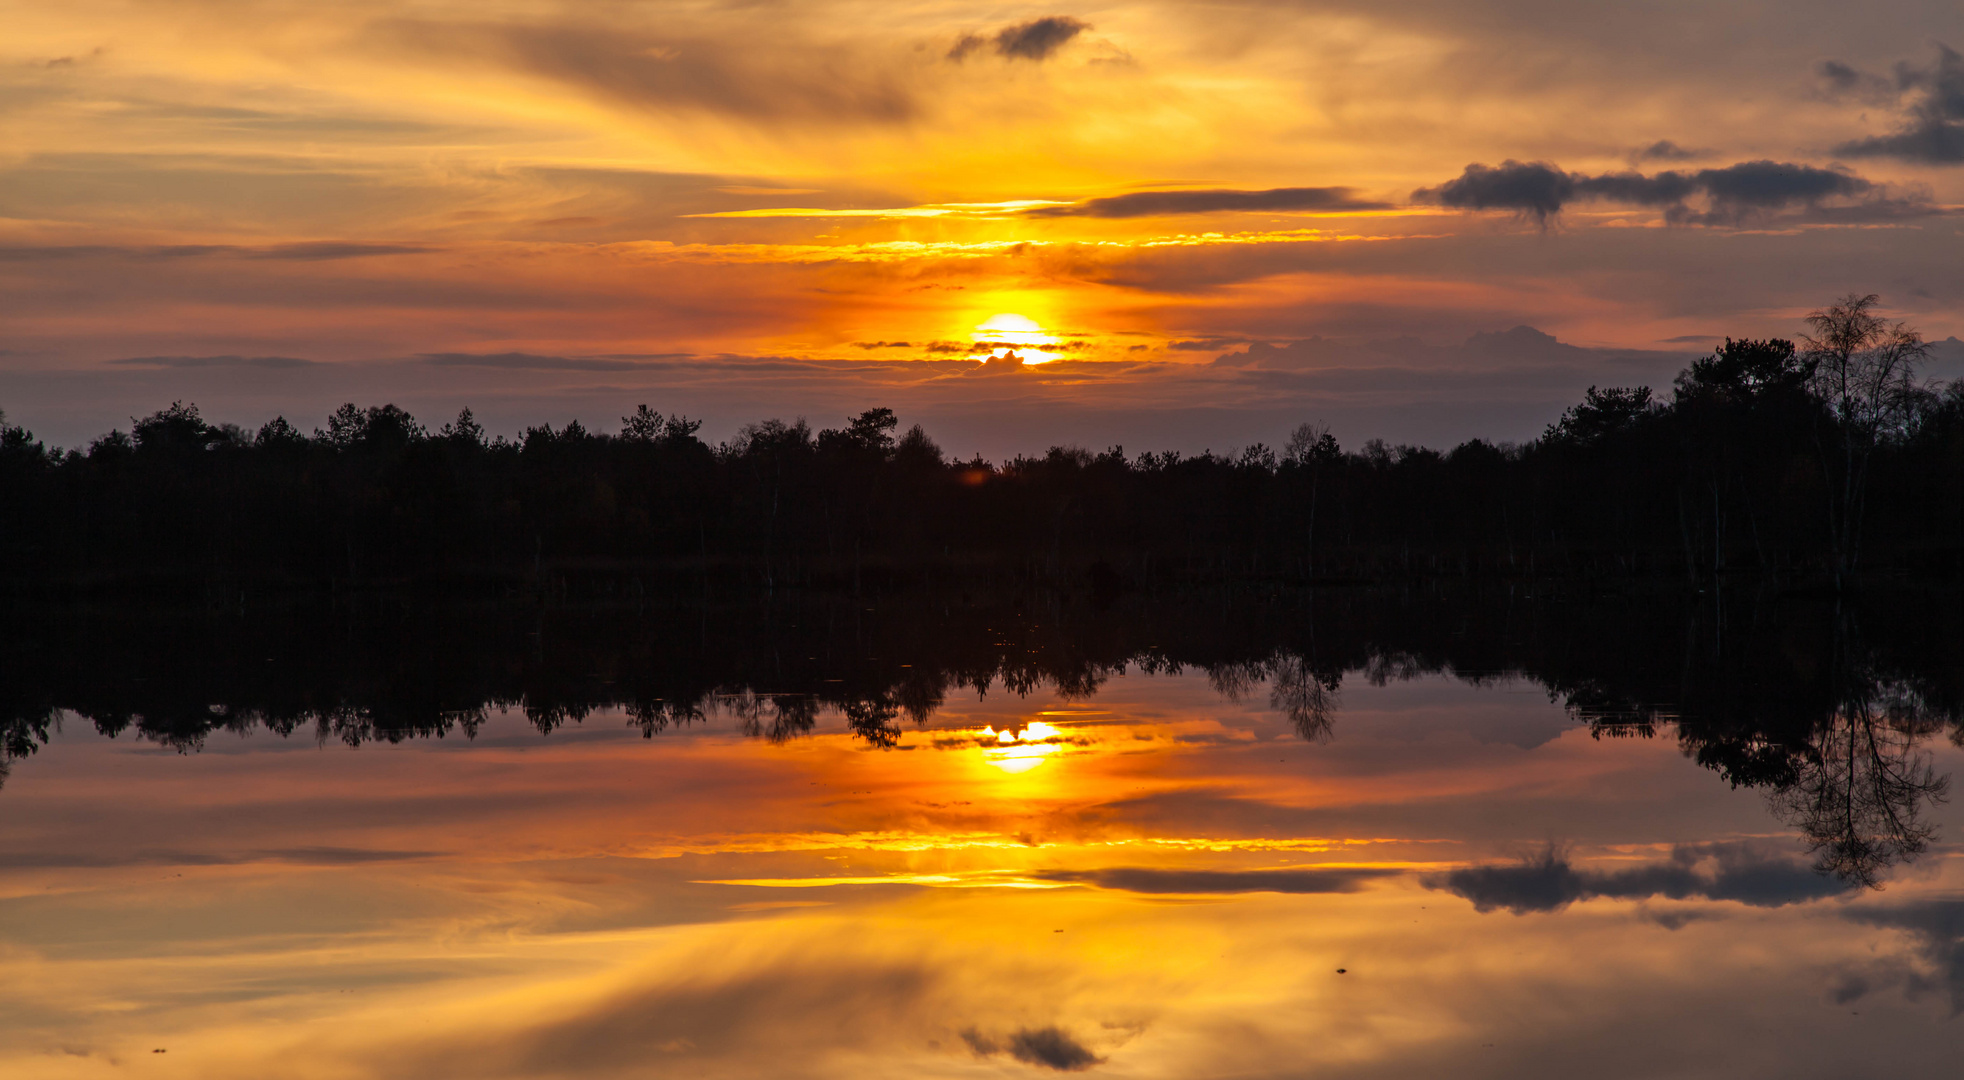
(936, 210)
(914, 842)
(980, 879)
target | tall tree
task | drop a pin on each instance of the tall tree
(1863, 368)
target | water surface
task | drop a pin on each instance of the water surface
(1252, 836)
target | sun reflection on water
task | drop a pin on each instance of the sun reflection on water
(1128, 906)
(1020, 750)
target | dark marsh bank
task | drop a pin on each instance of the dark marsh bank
(1805, 465)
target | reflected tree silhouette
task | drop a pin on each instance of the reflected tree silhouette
(1825, 713)
(1834, 736)
(873, 719)
(792, 715)
(1859, 796)
(1234, 681)
(653, 716)
(1307, 697)
(25, 729)
(775, 718)
(1859, 791)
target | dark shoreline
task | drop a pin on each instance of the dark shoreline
(1755, 467)
(1612, 649)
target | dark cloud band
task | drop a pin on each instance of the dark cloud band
(1932, 102)
(215, 361)
(1666, 150)
(1033, 40)
(534, 362)
(1732, 194)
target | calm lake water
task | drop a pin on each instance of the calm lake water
(1369, 836)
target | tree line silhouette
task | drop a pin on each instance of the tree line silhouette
(1813, 460)
(1822, 702)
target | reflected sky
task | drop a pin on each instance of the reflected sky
(1162, 878)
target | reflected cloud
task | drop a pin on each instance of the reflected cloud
(1214, 201)
(1752, 874)
(774, 1008)
(1937, 928)
(781, 999)
(1151, 880)
(1049, 1047)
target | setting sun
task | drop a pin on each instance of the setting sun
(1019, 335)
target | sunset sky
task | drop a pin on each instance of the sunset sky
(1212, 220)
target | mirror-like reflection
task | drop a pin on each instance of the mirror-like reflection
(1213, 834)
